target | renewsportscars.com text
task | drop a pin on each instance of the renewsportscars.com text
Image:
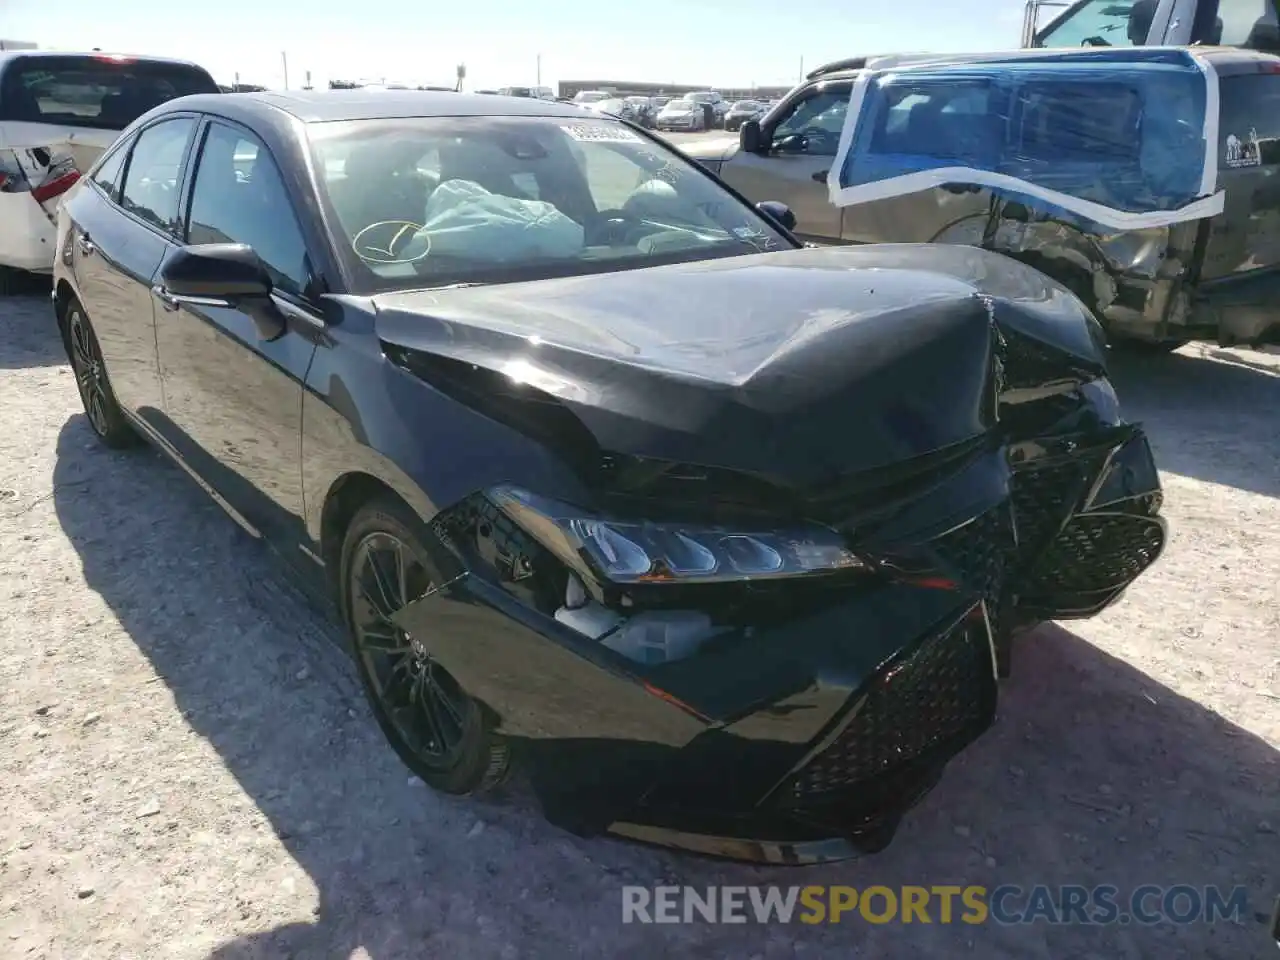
(1006, 904)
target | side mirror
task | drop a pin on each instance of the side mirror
(779, 212)
(749, 136)
(228, 275)
(216, 271)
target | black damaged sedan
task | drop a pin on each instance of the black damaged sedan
(724, 539)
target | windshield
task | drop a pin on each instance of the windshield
(589, 96)
(98, 92)
(1100, 23)
(447, 200)
(680, 105)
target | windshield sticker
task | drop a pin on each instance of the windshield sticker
(600, 133)
(1243, 153)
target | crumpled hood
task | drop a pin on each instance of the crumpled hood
(799, 366)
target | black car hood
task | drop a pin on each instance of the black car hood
(799, 367)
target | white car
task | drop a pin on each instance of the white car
(529, 93)
(58, 113)
(686, 115)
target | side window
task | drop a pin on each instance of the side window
(1248, 23)
(150, 189)
(111, 171)
(1101, 23)
(239, 197)
(936, 119)
(818, 119)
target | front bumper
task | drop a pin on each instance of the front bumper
(808, 737)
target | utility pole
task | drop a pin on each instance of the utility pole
(802, 69)
(284, 62)
(539, 69)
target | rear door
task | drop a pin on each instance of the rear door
(800, 146)
(123, 223)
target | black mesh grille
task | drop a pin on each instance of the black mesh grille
(976, 552)
(1043, 497)
(1097, 552)
(929, 702)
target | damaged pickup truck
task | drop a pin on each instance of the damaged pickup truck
(1144, 179)
(726, 539)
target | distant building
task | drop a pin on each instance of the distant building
(631, 88)
(18, 45)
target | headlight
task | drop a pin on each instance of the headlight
(627, 551)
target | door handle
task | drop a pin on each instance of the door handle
(821, 176)
(172, 301)
(167, 300)
(87, 246)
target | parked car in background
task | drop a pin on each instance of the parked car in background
(58, 112)
(591, 96)
(719, 105)
(614, 107)
(549, 414)
(1129, 146)
(681, 115)
(646, 112)
(535, 93)
(742, 111)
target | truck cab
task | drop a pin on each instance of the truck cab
(1249, 24)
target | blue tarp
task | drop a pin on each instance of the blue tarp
(1124, 138)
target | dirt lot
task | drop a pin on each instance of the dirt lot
(187, 769)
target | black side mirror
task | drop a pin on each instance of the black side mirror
(216, 271)
(749, 136)
(221, 275)
(779, 212)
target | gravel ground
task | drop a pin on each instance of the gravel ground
(187, 769)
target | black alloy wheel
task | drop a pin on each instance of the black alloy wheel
(105, 416)
(439, 731)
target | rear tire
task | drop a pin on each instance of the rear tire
(106, 418)
(439, 732)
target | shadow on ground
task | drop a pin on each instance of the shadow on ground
(1211, 413)
(1094, 774)
(29, 333)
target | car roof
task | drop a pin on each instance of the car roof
(9, 55)
(322, 106)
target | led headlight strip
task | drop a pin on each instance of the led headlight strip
(630, 551)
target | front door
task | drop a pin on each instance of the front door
(234, 400)
(801, 148)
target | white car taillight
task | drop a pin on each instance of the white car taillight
(44, 172)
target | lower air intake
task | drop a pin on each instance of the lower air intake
(931, 702)
(1097, 552)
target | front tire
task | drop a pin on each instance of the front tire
(106, 418)
(440, 732)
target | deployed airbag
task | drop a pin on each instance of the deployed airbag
(1123, 138)
(466, 221)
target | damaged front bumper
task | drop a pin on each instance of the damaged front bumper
(804, 736)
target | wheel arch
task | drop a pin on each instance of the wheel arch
(63, 294)
(346, 495)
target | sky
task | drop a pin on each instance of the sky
(720, 43)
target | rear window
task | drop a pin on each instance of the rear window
(93, 92)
